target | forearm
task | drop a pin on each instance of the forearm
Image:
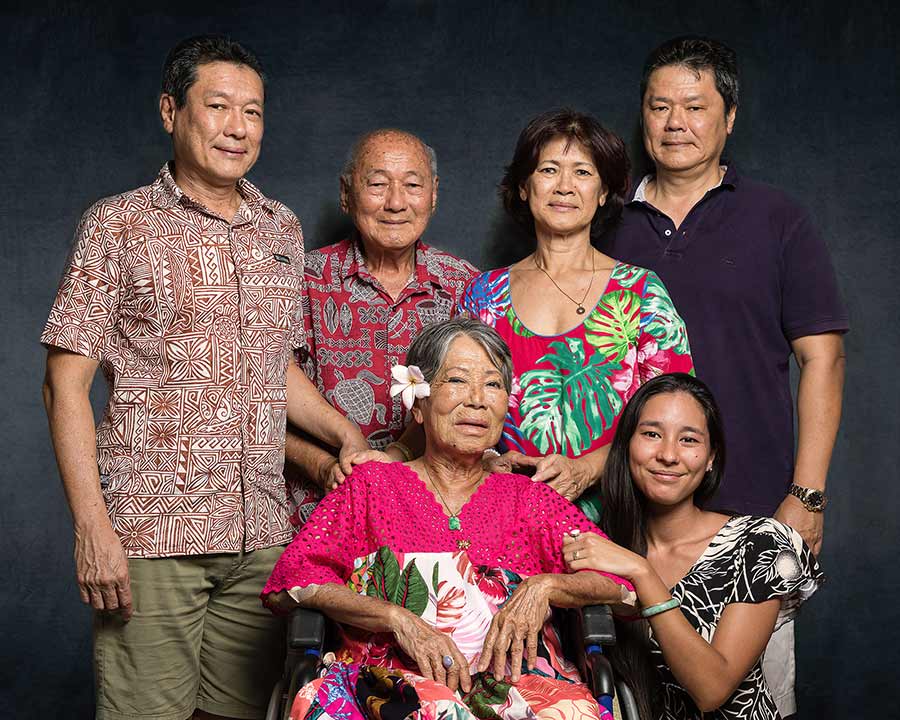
(343, 605)
(819, 400)
(309, 457)
(582, 588)
(310, 412)
(592, 464)
(71, 421)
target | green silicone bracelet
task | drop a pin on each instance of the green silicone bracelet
(660, 607)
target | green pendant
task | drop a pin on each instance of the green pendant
(453, 523)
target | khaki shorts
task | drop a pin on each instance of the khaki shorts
(199, 638)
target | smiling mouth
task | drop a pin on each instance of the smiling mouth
(563, 206)
(473, 423)
(232, 151)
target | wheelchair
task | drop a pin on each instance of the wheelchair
(591, 628)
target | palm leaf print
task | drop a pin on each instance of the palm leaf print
(661, 318)
(517, 327)
(566, 407)
(614, 324)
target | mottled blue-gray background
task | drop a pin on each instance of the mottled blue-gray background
(819, 115)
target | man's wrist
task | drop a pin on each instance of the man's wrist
(812, 498)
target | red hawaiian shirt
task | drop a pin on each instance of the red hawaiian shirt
(193, 320)
(355, 334)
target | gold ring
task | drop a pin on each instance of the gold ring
(575, 555)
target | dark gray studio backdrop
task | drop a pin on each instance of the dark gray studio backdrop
(819, 116)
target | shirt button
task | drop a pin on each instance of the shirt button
(668, 232)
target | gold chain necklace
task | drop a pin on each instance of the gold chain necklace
(580, 305)
(453, 521)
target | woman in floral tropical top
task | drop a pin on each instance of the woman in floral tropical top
(584, 330)
(440, 573)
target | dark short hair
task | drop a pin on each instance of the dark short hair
(180, 69)
(606, 148)
(698, 53)
(624, 515)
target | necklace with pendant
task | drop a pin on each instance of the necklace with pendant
(579, 305)
(453, 522)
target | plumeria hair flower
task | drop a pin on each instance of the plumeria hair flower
(409, 383)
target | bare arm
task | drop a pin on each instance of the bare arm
(821, 359)
(100, 563)
(309, 411)
(709, 672)
(414, 636)
(318, 464)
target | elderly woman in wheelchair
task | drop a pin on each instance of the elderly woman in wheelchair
(441, 575)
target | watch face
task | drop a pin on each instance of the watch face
(816, 498)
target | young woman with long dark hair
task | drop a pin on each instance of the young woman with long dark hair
(711, 586)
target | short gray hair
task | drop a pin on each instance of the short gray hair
(429, 349)
(356, 151)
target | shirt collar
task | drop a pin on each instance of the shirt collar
(729, 180)
(426, 270)
(167, 194)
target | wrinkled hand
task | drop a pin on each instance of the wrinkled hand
(600, 553)
(514, 630)
(330, 474)
(427, 647)
(568, 476)
(356, 446)
(810, 525)
(101, 569)
(280, 602)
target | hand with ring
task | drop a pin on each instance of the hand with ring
(434, 652)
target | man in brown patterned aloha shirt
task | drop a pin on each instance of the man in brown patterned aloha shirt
(186, 292)
(367, 297)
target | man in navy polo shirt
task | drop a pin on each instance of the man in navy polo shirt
(754, 283)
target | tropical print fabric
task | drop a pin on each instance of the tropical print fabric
(750, 560)
(569, 389)
(371, 678)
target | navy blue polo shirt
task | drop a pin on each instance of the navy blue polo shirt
(749, 273)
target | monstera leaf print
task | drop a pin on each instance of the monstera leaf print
(517, 327)
(615, 323)
(627, 275)
(566, 407)
(661, 318)
(405, 588)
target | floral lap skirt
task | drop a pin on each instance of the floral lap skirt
(371, 679)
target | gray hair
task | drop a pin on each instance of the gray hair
(429, 349)
(356, 151)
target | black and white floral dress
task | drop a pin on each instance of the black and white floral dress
(750, 560)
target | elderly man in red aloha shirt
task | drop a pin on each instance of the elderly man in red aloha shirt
(367, 297)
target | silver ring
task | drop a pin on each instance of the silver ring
(575, 555)
(447, 661)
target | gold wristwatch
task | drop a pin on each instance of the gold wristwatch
(813, 500)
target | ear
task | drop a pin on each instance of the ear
(523, 193)
(417, 412)
(345, 195)
(167, 112)
(604, 193)
(709, 465)
(729, 119)
(434, 193)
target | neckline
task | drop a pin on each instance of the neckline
(435, 503)
(704, 553)
(587, 314)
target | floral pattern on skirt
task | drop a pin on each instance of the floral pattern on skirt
(372, 679)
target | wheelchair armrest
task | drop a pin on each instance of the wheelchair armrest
(598, 627)
(305, 630)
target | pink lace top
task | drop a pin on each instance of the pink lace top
(510, 522)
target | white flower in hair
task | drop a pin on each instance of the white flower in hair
(409, 383)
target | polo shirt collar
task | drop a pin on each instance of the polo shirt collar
(729, 180)
(167, 194)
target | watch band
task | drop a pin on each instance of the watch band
(813, 500)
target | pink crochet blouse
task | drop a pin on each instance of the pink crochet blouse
(509, 522)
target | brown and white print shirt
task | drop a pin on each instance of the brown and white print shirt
(193, 320)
